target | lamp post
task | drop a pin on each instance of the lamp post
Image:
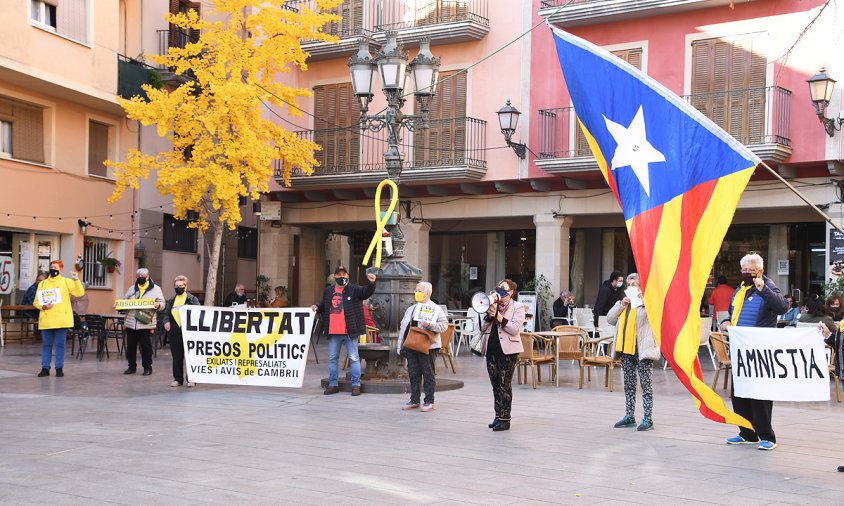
(508, 119)
(397, 279)
(820, 91)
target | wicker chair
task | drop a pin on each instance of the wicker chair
(720, 346)
(591, 357)
(447, 337)
(534, 358)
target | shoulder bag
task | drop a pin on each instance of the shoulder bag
(419, 340)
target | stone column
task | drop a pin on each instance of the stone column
(608, 253)
(777, 250)
(312, 265)
(417, 247)
(552, 250)
(494, 259)
(276, 251)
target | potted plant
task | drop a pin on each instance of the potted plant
(111, 264)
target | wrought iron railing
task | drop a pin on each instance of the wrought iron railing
(174, 37)
(445, 143)
(131, 74)
(753, 116)
(366, 17)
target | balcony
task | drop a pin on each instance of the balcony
(174, 37)
(758, 117)
(131, 74)
(568, 13)
(444, 21)
(452, 150)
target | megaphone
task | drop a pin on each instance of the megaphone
(482, 301)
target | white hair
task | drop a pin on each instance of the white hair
(425, 287)
(633, 276)
(752, 259)
(143, 271)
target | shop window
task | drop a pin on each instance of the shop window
(22, 131)
(94, 272)
(178, 236)
(98, 134)
(247, 242)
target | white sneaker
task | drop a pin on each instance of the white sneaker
(190, 384)
(175, 383)
(427, 407)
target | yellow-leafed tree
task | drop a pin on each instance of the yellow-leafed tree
(224, 144)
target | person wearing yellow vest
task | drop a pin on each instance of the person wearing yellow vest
(55, 317)
(757, 302)
(173, 327)
(140, 323)
(635, 342)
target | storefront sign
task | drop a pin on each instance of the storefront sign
(49, 296)
(836, 254)
(529, 300)
(261, 347)
(7, 275)
(123, 304)
(779, 364)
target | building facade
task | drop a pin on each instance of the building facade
(473, 212)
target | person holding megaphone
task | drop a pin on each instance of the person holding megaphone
(501, 325)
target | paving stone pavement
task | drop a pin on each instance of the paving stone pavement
(99, 437)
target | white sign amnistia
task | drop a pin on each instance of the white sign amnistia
(233, 346)
(779, 364)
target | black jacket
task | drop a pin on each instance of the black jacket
(167, 317)
(608, 295)
(353, 297)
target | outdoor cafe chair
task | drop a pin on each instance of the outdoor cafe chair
(591, 357)
(447, 337)
(836, 380)
(720, 345)
(534, 358)
(96, 328)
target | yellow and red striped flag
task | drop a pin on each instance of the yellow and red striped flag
(678, 178)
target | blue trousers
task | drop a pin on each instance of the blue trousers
(334, 343)
(49, 337)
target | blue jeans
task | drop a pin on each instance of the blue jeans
(48, 337)
(334, 342)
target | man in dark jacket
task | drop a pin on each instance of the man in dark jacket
(342, 305)
(173, 327)
(611, 291)
(756, 303)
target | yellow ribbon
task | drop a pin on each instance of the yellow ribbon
(375, 244)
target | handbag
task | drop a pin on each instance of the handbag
(144, 317)
(651, 350)
(419, 340)
(478, 344)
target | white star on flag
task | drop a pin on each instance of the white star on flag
(633, 148)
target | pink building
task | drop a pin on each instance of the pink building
(473, 212)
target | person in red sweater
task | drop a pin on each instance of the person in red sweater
(721, 295)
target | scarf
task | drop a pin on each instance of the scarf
(627, 327)
(738, 302)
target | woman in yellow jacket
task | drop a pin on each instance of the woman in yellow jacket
(56, 317)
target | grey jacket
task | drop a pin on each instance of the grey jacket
(153, 292)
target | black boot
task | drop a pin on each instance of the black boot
(494, 422)
(60, 373)
(501, 425)
(44, 372)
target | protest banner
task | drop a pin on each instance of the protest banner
(49, 296)
(124, 304)
(779, 364)
(258, 347)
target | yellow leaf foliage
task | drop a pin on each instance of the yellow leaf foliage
(224, 144)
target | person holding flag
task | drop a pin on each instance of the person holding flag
(756, 303)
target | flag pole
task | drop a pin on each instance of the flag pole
(803, 198)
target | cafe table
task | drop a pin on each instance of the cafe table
(18, 317)
(554, 336)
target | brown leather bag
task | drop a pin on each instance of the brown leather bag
(419, 339)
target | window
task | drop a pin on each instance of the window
(97, 148)
(22, 131)
(351, 22)
(247, 242)
(177, 235)
(44, 13)
(728, 85)
(334, 106)
(444, 141)
(5, 138)
(95, 273)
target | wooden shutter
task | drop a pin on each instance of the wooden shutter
(335, 128)
(633, 56)
(27, 131)
(72, 19)
(97, 148)
(444, 142)
(728, 86)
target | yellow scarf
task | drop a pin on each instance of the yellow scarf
(626, 329)
(738, 302)
(178, 302)
(142, 288)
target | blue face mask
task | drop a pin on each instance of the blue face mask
(501, 292)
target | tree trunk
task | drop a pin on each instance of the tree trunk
(213, 263)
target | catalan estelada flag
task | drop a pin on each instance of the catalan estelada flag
(678, 178)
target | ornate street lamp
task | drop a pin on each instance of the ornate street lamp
(397, 279)
(508, 119)
(820, 90)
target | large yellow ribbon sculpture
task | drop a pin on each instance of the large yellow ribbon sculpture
(380, 221)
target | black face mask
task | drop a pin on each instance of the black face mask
(141, 280)
(54, 273)
(341, 281)
(180, 290)
(747, 278)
